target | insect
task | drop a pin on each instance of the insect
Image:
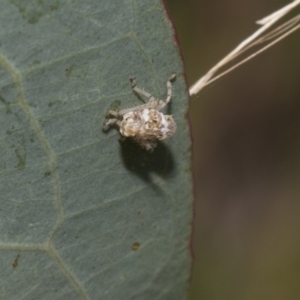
(144, 123)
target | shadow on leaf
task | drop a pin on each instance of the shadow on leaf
(143, 162)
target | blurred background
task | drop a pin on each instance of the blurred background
(246, 154)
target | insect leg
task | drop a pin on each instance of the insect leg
(111, 122)
(139, 91)
(169, 87)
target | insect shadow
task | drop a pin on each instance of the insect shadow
(144, 163)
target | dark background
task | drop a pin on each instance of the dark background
(246, 132)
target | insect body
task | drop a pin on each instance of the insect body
(144, 123)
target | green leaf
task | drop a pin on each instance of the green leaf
(83, 216)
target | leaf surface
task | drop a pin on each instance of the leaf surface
(83, 216)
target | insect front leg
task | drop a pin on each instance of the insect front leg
(140, 91)
(169, 87)
(113, 113)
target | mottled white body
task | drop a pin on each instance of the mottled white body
(144, 123)
(147, 126)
